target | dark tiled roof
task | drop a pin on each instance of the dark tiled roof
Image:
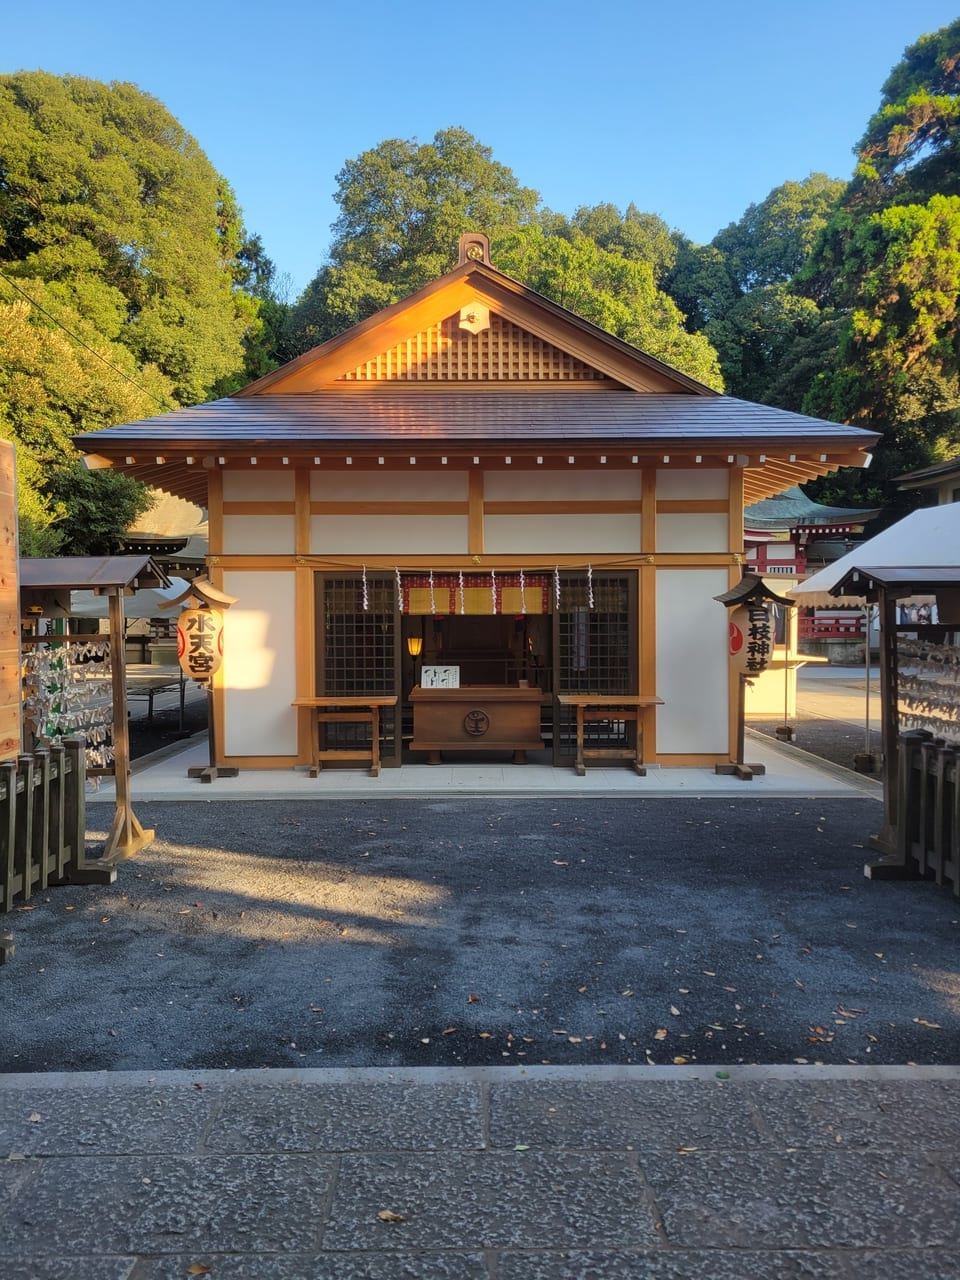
(436, 417)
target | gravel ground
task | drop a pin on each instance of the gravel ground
(419, 932)
(835, 740)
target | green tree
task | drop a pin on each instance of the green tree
(614, 292)
(758, 340)
(909, 151)
(774, 238)
(640, 237)
(109, 202)
(53, 385)
(404, 206)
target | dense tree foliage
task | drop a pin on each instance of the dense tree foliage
(405, 205)
(774, 238)
(614, 292)
(117, 233)
(888, 261)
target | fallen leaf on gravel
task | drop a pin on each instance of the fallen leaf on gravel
(471, 999)
(387, 1215)
(683, 1151)
(486, 1035)
(628, 992)
(35, 1117)
(660, 1034)
(675, 1011)
(575, 1039)
(197, 1269)
(449, 1031)
(558, 863)
(924, 1023)
(680, 1061)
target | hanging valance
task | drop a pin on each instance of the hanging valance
(475, 593)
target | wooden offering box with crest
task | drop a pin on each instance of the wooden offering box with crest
(476, 718)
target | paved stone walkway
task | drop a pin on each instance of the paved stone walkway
(498, 1173)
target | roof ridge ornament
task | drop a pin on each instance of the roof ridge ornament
(474, 247)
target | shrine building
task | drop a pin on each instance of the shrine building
(475, 522)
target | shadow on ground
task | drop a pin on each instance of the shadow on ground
(475, 931)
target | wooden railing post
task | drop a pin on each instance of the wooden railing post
(24, 825)
(75, 803)
(58, 856)
(8, 833)
(40, 845)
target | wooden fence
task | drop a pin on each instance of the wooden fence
(42, 820)
(928, 808)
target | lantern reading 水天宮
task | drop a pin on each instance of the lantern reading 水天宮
(200, 642)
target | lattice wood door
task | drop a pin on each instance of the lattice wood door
(595, 649)
(358, 654)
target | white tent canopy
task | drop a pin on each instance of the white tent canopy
(139, 604)
(930, 538)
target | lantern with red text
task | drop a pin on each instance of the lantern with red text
(200, 642)
(751, 639)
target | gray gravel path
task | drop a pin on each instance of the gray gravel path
(434, 933)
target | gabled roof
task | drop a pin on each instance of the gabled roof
(129, 573)
(475, 364)
(924, 542)
(469, 285)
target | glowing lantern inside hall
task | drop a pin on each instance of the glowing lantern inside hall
(200, 642)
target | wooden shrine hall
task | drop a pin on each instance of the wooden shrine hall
(475, 522)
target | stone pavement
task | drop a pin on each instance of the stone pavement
(494, 1173)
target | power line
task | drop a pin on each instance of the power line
(33, 302)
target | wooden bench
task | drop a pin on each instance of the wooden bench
(597, 706)
(346, 710)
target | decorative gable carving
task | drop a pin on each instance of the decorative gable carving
(449, 352)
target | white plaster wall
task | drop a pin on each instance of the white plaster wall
(256, 485)
(563, 535)
(388, 535)
(697, 532)
(259, 665)
(781, 551)
(560, 486)
(393, 486)
(692, 663)
(258, 535)
(704, 482)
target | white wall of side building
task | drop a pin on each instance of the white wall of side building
(692, 662)
(258, 676)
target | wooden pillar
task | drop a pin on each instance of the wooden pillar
(127, 837)
(9, 609)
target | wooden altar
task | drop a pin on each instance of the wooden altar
(476, 718)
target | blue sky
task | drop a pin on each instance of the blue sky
(692, 110)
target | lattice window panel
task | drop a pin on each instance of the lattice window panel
(594, 653)
(447, 353)
(358, 655)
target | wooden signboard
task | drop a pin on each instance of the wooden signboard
(9, 609)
